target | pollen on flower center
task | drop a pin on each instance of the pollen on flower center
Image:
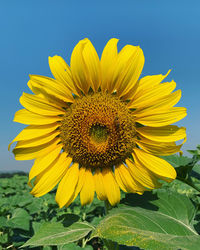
(98, 130)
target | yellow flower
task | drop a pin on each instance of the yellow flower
(97, 127)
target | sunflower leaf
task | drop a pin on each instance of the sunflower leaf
(54, 233)
(166, 224)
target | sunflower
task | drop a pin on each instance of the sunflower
(97, 127)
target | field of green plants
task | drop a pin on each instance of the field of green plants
(168, 218)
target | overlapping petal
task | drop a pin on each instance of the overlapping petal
(162, 117)
(40, 106)
(126, 181)
(26, 117)
(22, 154)
(99, 185)
(85, 66)
(67, 186)
(128, 67)
(49, 178)
(108, 61)
(87, 191)
(111, 187)
(168, 133)
(61, 71)
(161, 168)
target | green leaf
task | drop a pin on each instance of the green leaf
(20, 219)
(54, 233)
(73, 246)
(166, 225)
(177, 161)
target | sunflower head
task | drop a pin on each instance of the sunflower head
(97, 127)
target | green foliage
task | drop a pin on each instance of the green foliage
(54, 233)
(168, 218)
(166, 224)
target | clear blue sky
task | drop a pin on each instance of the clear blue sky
(30, 31)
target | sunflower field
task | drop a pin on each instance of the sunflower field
(167, 218)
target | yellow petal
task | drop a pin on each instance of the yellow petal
(44, 161)
(163, 118)
(52, 87)
(99, 186)
(81, 180)
(126, 181)
(39, 105)
(37, 141)
(163, 134)
(51, 97)
(156, 165)
(146, 98)
(78, 67)
(92, 64)
(108, 60)
(34, 131)
(144, 177)
(128, 68)
(26, 117)
(144, 85)
(22, 154)
(111, 187)
(164, 103)
(158, 148)
(61, 72)
(49, 178)
(87, 191)
(67, 186)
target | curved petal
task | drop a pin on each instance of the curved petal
(108, 60)
(44, 161)
(37, 141)
(78, 67)
(51, 97)
(67, 186)
(165, 103)
(87, 191)
(126, 181)
(163, 134)
(85, 66)
(26, 117)
(40, 106)
(142, 175)
(145, 84)
(34, 131)
(52, 87)
(22, 154)
(158, 148)
(128, 68)
(92, 63)
(99, 186)
(146, 98)
(162, 118)
(156, 165)
(61, 72)
(111, 187)
(49, 178)
(81, 180)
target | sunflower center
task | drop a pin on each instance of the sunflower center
(98, 130)
(99, 133)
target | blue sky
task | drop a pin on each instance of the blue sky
(167, 31)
